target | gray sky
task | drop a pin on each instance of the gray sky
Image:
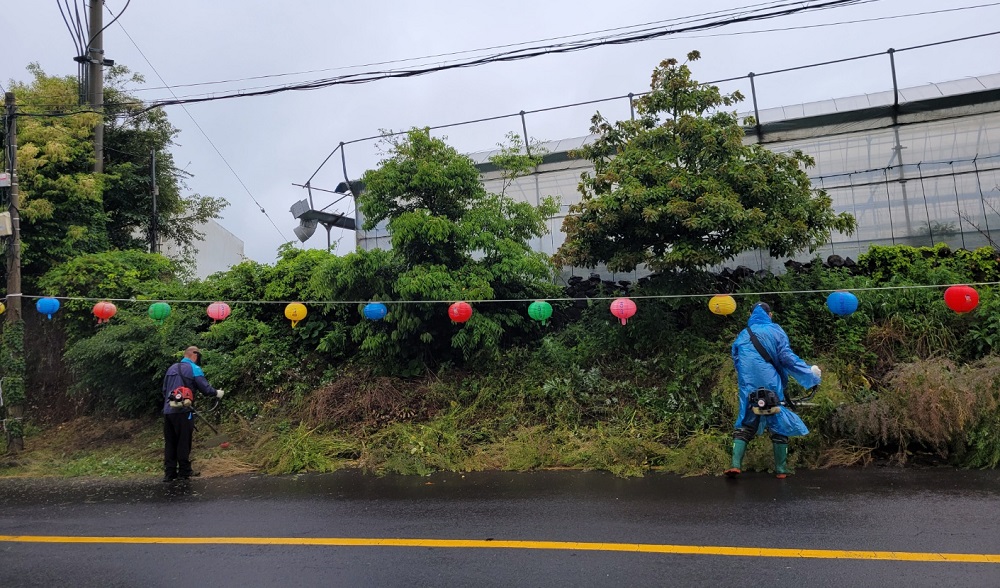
(274, 141)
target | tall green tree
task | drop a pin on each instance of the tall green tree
(451, 241)
(131, 136)
(68, 210)
(61, 206)
(677, 189)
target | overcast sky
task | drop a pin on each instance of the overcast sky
(274, 141)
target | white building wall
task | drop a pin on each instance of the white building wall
(217, 252)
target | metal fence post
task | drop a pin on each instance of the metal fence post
(756, 112)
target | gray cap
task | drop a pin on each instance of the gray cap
(764, 305)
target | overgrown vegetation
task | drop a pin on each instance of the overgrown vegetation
(905, 378)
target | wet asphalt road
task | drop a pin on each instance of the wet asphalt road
(876, 509)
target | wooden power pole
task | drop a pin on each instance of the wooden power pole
(12, 346)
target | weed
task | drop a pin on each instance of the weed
(531, 448)
(418, 448)
(107, 466)
(621, 451)
(931, 403)
(302, 449)
(704, 452)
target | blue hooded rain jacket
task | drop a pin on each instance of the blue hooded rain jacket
(753, 372)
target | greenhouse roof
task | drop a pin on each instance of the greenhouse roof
(837, 115)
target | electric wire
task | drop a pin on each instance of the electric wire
(680, 36)
(81, 27)
(635, 95)
(69, 27)
(242, 91)
(367, 77)
(843, 22)
(467, 51)
(127, 2)
(528, 300)
(204, 134)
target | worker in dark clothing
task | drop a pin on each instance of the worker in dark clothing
(180, 383)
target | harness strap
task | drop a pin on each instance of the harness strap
(767, 357)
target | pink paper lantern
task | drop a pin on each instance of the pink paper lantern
(623, 308)
(218, 311)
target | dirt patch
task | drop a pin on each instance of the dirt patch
(90, 433)
(48, 379)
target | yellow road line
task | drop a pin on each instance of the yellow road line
(556, 545)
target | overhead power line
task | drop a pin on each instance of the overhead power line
(73, 27)
(711, 35)
(95, 35)
(528, 53)
(437, 56)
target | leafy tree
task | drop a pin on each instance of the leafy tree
(131, 136)
(67, 209)
(111, 274)
(676, 189)
(254, 354)
(451, 240)
(61, 206)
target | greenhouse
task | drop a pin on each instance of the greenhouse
(917, 166)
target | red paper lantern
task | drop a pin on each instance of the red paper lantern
(218, 311)
(460, 312)
(961, 298)
(623, 308)
(104, 311)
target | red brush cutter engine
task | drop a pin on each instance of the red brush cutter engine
(181, 397)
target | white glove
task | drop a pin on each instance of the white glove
(219, 393)
(816, 371)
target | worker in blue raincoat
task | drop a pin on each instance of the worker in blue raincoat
(757, 374)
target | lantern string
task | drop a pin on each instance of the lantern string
(510, 300)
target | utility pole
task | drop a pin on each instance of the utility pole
(154, 222)
(95, 94)
(12, 345)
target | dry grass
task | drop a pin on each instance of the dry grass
(842, 455)
(932, 404)
(361, 400)
(228, 464)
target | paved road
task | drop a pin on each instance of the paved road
(661, 530)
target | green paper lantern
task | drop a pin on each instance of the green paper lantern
(540, 310)
(159, 312)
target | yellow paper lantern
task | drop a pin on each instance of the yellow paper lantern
(724, 305)
(295, 312)
(3, 308)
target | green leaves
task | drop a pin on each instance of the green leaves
(67, 209)
(451, 241)
(677, 189)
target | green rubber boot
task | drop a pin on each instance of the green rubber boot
(739, 448)
(781, 459)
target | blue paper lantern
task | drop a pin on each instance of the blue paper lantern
(47, 306)
(842, 303)
(375, 311)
